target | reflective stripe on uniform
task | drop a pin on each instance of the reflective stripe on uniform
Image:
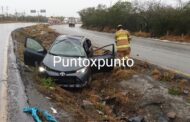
(123, 46)
(122, 38)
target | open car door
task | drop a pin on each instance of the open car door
(34, 52)
(104, 58)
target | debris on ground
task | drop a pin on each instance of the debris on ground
(185, 92)
(180, 38)
(87, 105)
(36, 114)
(49, 117)
(54, 111)
(136, 119)
(171, 115)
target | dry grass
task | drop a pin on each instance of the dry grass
(156, 74)
(182, 38)
(109, 30)
(141, 34)
(119, 73)
(163, 75)
(42, 33)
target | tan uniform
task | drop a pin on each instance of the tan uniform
(122, 43)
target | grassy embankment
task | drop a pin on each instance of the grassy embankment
(109, 99)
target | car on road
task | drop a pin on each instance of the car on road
(64, 48)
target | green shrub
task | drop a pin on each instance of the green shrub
(48, 82)
(174, 91)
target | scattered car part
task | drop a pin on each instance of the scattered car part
(54, 111)
(34, 111)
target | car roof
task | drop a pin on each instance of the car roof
(76, 37)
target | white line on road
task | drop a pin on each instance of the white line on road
(3, 89)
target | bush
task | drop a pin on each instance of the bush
(48, 82)
(156, 19)
(174, 91)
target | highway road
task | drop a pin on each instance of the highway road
(5, 31)
(170, 55)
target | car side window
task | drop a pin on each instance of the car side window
(33, 44)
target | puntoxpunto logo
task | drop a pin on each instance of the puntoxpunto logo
(92, 62)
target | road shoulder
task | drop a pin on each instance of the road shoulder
(3, 88)
(17, 98)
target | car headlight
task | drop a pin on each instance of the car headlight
(83, 70)
(41, 69)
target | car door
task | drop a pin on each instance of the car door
(103, 56)
(34, 52)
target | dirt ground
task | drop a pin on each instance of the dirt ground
(182, 38)
(144, 91)
(175, 38)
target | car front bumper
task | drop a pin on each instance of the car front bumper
(71, 80)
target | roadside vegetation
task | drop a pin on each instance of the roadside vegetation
(22, 18)
(48, 82)
(150, 19)
(115, 96)
(174, 91)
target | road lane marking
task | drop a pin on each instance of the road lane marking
(3, 87)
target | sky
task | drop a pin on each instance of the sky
(65, 8)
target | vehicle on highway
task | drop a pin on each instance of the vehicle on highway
(71, 22)
(67, 47)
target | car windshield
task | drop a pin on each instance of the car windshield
(68, 47)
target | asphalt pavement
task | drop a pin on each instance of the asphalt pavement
(166, 54)
(5, 31)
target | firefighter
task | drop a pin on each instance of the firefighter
(122, 38)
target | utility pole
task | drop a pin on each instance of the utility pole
(111, 2)
(2, 9)
(7, 8)
(38, 13)
(16, 14)
(2, 13)
(38, 16)
(24, 13)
